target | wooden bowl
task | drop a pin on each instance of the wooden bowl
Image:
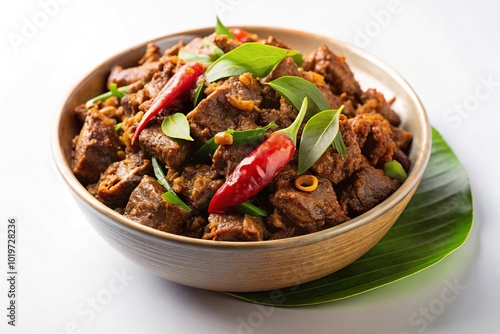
(249, 266)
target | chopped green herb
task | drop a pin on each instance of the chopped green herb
(250, 209)
(243, 137)
(113, 91)
(394, 170)
(170, 196)
(199, 94)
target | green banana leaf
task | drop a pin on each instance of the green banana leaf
(436, 222)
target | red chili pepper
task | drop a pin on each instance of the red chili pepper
(240, 34)
(259, 168)
(180, 82)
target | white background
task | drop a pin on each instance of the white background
(447, 50)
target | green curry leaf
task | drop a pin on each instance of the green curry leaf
(256, 58)
(443, 200)
(317, 136)
(294, 89)
(220, 29)
(176, 126)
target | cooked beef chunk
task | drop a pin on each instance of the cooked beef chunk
(196, 183)
(286, 67)
(283, 116)
(335, 167)
(365, 189)
(234, 227)
(95, 148)
(333, 100)
(274, 221)
(152, 54)
(131, 102)
(402, 138)
(374, 101)
(373, 133)
(159, 80)
(169, 151)
(271, 40)
(349, 109)
(227, 157)
(148, 66)
(196, 45)
(121, 177)
(270, 98)
(147, 207)
(194, 227)
(307, 211)
(335, 70)
(402, 158)
(230, 106)
(173, 50)
(81, 113)
(127, 76)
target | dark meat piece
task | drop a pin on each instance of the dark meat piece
(333, 100)
(286, 67)
(81, 113)
(121, 177)
(335, 167)
(149, 64)
(365, 189)
(169, 151)
(196, 183)
(194, 227)
(402, 158)
(127, 76)
(151, 55)
(196, 45)
(277, 229)
(147, 207)
(271, 40)
(131, 102)
(374, 101)
(227, 157)
(307, 211)
(283, 117)
(173, 50)
(335, 70)
(402, 138)
(159, 80)
(349, 109)
(230, 106)
(234, 227)
(374, 133)
(95, 148)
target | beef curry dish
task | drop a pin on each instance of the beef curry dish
(195, 142)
